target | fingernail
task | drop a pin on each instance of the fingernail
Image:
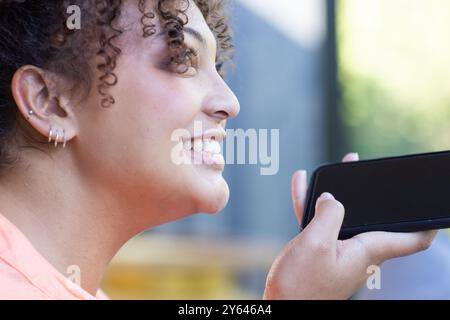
(326, 196)
(353, 156)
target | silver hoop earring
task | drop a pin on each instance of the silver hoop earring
(64, 138)
(56, 138)
(54, 134)
(50, 133)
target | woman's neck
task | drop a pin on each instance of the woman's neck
(68, 220)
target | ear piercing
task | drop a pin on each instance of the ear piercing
(30, 113)
(56, 135)
(54, 132)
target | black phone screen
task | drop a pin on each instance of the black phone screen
(388, 190)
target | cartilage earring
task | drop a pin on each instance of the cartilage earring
(30, 113)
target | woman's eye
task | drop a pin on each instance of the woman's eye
(189, 67)
(220, 69)
(219, 66)
(182, 69)
(188, 72)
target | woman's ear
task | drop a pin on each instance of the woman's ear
(44, 104)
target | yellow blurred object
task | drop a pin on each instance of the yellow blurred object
(179, 267)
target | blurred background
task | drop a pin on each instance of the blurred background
(333, 76)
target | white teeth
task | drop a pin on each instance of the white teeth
(217, 148)
(206, 145)
(209, 146)
(198, 145)
(187, 145)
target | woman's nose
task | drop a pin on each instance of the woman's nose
(222, 103)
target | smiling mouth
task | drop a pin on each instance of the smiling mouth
(204, 151)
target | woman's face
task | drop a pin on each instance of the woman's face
(131, 149)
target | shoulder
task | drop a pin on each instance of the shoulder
(14, 286)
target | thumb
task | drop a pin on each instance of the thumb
(327, 221)
(298, 188)
(350, 157)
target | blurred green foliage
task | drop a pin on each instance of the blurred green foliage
(394, 75)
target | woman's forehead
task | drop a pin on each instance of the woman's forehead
(131, 20)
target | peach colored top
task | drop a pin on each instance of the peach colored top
(26, 275)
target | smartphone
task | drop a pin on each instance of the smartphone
(397, 194)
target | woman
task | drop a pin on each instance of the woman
(87, 121)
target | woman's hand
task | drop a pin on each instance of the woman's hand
(316, 265)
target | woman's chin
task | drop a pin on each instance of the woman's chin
(207, 187)
(214, 198)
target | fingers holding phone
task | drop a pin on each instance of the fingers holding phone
(308, 268)
(316, 265)
(377, 247)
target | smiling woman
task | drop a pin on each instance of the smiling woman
(151, 65)
(113, 93)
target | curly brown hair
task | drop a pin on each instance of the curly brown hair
(35, 33)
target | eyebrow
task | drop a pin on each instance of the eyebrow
(197, 35)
